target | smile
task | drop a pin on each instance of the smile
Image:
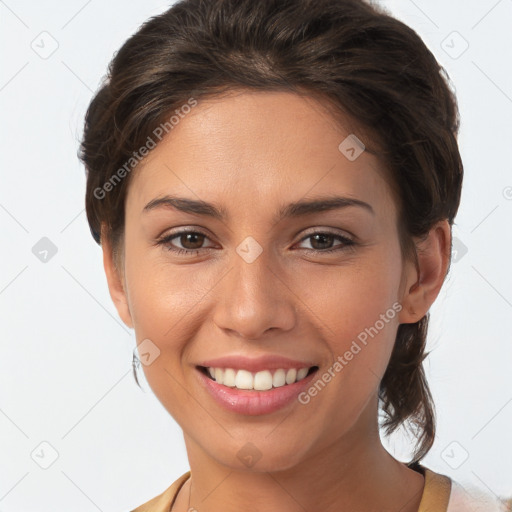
(255, 393)
(257, 381)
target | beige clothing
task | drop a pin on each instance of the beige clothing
(435, 498)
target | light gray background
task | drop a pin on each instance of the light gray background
(65, 358)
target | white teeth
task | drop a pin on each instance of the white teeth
(243, 379)
(229, 377)
(291, 376)
(263, 381)
(302, 373)
(259, 381)
(279, 378)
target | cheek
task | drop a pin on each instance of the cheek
(357, 318)
(356, 311)
(162, 301)
(162, 295)
(349, 298)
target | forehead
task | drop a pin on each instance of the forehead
(261, 146)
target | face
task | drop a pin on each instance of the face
(310, 285)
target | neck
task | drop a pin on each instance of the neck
(354, 472)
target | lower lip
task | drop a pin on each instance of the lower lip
(254, 403)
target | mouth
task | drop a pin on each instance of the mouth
(255, 393)
(263, 380)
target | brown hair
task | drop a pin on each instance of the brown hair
(367, 66)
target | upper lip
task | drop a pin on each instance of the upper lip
(256, 364)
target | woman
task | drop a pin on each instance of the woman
(273, 185)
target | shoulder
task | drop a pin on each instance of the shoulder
(443, 494)
(164, 501)
(436, 491)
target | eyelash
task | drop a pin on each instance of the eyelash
(347, 242)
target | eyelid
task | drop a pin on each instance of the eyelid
(328, 231)
(166, 238)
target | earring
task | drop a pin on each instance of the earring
(135, 366)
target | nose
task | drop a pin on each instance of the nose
(254, 298)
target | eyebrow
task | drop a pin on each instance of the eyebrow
(296, 209)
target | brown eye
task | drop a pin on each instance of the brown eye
(322, 242)
(190, 241)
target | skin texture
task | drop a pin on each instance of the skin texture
(252, 153)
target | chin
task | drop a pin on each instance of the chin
(260, 457)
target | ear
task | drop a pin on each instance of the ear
(115, 280)
(424, 283)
